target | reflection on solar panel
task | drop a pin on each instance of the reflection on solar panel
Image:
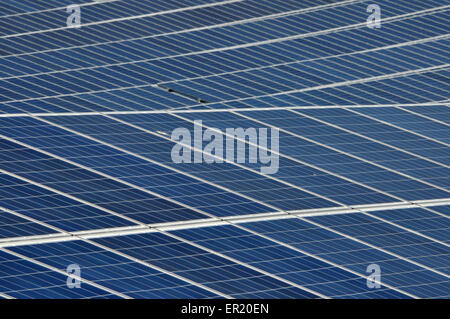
(93, 204)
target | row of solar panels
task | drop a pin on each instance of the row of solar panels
(19, 7)
(169, 42)
(289, 258)
(178, 45)
(305, 257)
(130, 86)
(328, 158)
(233, 84)
(138, 27)
(420, 87)
(13, 7)
(54, 18)
(103, 12)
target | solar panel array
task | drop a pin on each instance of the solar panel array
(87, 178)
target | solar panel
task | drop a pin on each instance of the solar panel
(219, 149)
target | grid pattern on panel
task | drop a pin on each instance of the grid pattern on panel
(90, 192)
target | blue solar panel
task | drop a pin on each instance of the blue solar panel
(407, 119)
(206, 268)
(34, 281)
(89, 186)
(317, 275)
(139, 172)
(343, 251)
(17, 7)
(113, 271)
(159, 149)
(14, 226)
(436, 112)
(442, 209)
(51, 14)
(339, 155)
(390, 238)
(425, 221)
(52, 208)
(358, 115)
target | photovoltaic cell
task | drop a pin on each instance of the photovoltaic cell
(33, 281)
(14, 226)
(90, 187)
(393, 239)
(424, 221)
(113, 271)
(354, 255)
(52, 208)
(159, 149)
(305, 270)
(127, 167)
(206, 268)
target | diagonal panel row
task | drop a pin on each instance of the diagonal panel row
(112, 95)
(61, 143)
(310, 75)
(145, 25)
(299, 140)
(423, 86)
(255, 54)
(154, 177)
(414, 119)
(330, 261)
(87, 186)
(301, 30)
(92, 12)
(14, 7)
(36, 281)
